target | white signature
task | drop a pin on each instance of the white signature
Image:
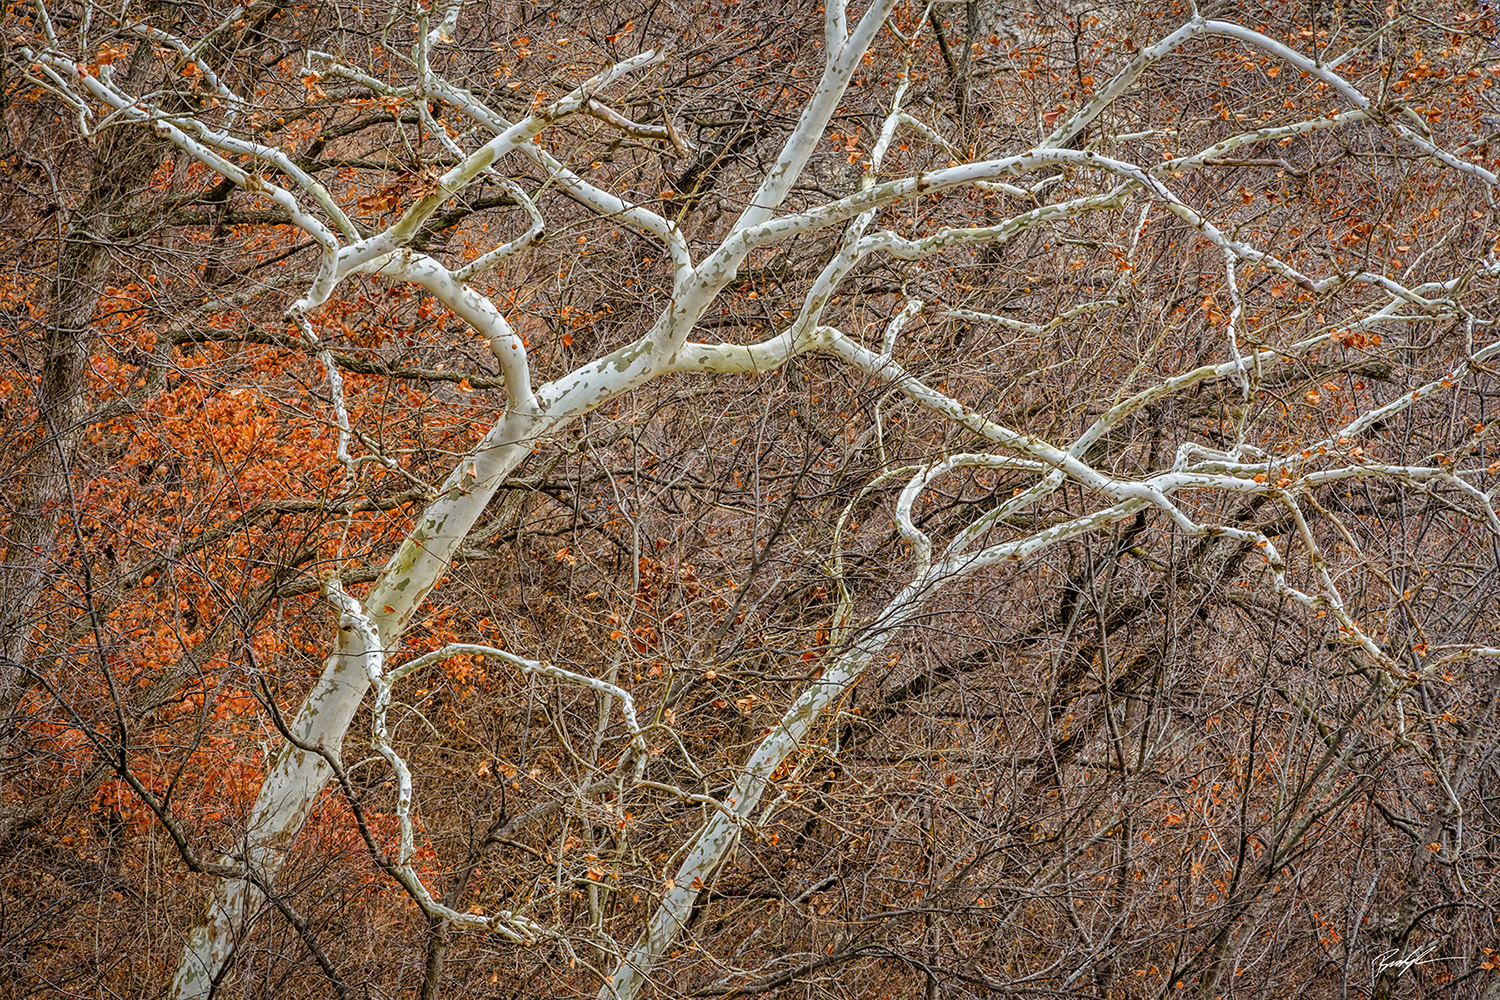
(1392, 959)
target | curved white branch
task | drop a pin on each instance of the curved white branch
(714, 843)
(505, 923)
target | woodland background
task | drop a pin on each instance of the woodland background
(1127, 765)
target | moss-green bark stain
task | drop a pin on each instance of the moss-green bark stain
(621, 360)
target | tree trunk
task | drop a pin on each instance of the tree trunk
(124, 162)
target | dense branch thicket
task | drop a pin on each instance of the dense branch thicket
(665, 499)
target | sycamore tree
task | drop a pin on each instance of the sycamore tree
(701, 499)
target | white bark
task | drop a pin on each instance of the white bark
(296, 779)
(294, 782)
(370, 631)
(714, 843)
(512, 926)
